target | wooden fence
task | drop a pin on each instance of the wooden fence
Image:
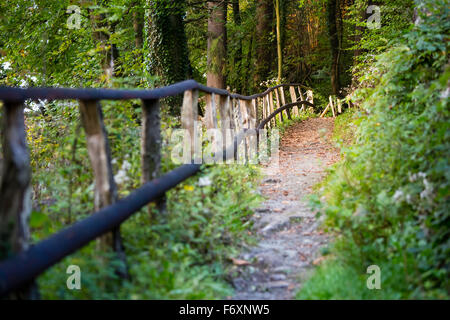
(240, 114)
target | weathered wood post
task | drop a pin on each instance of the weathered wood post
(310, 96)
(189, 116)
(283, 102)
(339, 105)
(270, 124)
(15, 191)
(211, 111)
(271, 109)
(332, 107)
(225, 123)
(301, 98)
(151, 146)
(241, 117)
(251, 140)
(255, 111)
(105, 192)
(211, 121)
(293, 99)
(277, 99)
(263, 107)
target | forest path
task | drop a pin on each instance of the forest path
(289, 239)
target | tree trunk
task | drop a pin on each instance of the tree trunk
(277, 12)
(264, 13)
(216, 44)
(237, 59)
(138, 24)
(165, 48)
(334, 42)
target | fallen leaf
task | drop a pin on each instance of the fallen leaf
(239, 262)
(318, 260)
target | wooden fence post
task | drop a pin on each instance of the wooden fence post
(277, 99)
(293, 99)
(105, 187)
(241, 118)
(283, 102)
(339, 105)
(189, 116)
(151, 146)
(263, 107)
(255, 111)
(225, 122)
(332, 107)
(15, 191)
(270, 97)
(310, 96)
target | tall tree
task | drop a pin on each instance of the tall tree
(165, 46)
(138, 23)
(332, 6)
(280, 58)
(264, 15)
(216, 43)
(237, 81)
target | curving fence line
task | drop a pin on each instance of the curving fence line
(243, 115)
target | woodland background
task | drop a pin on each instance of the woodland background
(387, 201)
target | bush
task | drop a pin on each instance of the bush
(388, 199)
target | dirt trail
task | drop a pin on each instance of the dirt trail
(289, 239)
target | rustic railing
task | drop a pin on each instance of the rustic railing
(244, 115)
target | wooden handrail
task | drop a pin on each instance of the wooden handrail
(243, 115)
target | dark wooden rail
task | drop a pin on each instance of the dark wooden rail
(243, 115)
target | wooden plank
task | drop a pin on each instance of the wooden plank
(105, 191)
(189, 116)
(325, 111)
(339, 105)
(15, 191)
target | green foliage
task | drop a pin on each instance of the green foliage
(182, 254)
(336, 279)
(388, 199)
(166, 51)
(396, 17)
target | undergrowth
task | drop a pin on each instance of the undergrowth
(387, 201)
(181, 254)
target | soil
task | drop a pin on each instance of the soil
(288, 231)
